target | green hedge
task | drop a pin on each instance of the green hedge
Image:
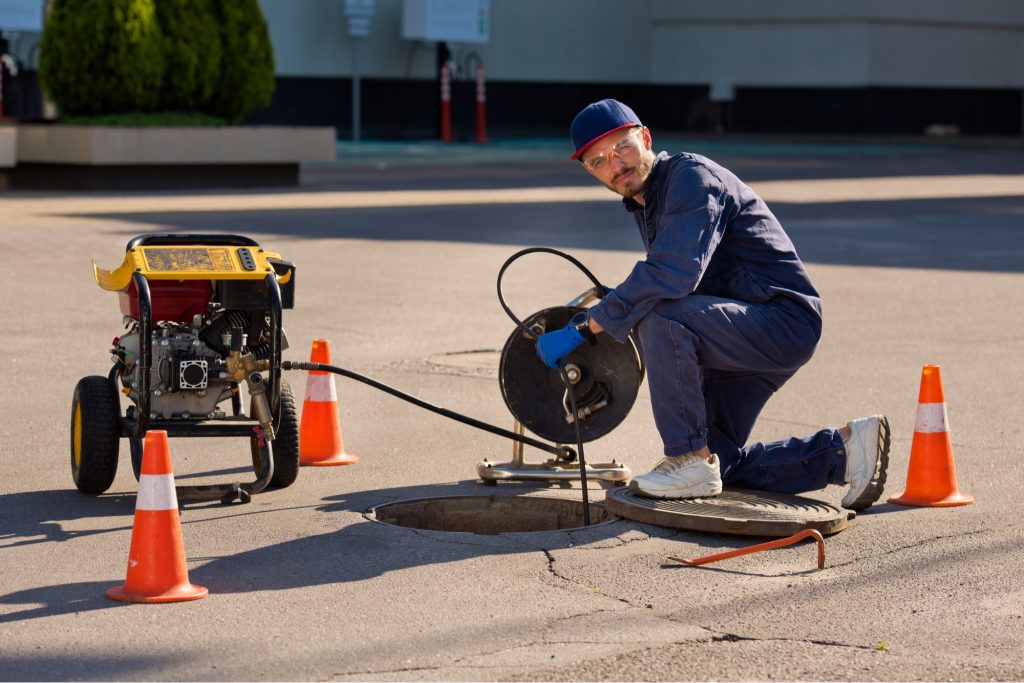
(104, 57)
(247, 71)
(192, 49)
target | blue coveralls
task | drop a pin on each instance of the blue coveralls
(725, 314)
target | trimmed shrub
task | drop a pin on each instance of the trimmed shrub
(192, 51)
(102, 56)
(247, 61)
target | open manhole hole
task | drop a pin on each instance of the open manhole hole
(489, 514)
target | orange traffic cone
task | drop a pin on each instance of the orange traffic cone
(931, 479)
(320, 442)
(156, 560)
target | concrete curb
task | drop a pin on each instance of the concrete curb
(107, 145)
(8, 146)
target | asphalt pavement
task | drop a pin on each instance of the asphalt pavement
(917, 250)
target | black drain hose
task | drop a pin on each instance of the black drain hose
(563, 452)
(540, 250)
(561, 365)
(579, 442)
(559, 451)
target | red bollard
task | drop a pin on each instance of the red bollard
(481, 105)
(446, 104)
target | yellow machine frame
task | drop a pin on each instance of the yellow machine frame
(191, 262)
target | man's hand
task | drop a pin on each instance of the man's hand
(554, 346)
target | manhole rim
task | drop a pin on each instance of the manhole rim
(370, 513)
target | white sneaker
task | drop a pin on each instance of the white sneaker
(688, 476)
(867, 456)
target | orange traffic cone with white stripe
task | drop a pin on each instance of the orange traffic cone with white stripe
(156, 560)
(931, 479)
(320, 442)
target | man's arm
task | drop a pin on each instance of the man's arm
(697, 208)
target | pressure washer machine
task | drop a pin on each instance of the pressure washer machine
(202, 316)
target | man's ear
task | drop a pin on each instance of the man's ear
(648, 141)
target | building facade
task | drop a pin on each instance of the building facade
(761, 66)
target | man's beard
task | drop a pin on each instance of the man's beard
(637, 182)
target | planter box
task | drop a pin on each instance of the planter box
(8, 144)
(102, 157)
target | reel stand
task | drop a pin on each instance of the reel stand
(560, 471)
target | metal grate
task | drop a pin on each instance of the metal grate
(735, 511)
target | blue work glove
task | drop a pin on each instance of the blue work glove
(554, 346)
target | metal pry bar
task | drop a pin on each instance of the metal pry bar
(770, 545)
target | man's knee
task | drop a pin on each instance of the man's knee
(677, 313)
(657, 332)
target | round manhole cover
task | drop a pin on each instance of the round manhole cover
(489, 514)
(735, 511)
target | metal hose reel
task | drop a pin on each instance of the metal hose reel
(604, 375)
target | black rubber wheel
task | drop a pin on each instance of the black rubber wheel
(285, 446)
(95, 431)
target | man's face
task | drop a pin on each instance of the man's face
(622, 161)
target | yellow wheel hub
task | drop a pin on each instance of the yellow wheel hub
(77, 436)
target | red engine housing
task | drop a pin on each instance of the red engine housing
(172, 300)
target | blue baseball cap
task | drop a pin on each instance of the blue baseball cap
(599, 120)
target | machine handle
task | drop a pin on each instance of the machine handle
(174, 239)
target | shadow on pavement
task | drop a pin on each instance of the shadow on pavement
(211, 473)
(34, 516)
(975, 234)
(63, 598)
(367, 549)
(751, 161)
(883, 508)
(357, 551)
(95, 666)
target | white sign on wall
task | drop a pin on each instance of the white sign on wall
(457, 21)
(359, 14)
(21, 15)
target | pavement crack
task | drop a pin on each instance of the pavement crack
(636, 536)
(923, 542)
(735, 638)
(590, 589)
(378, 672)
(551, 566)
(459, 663)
